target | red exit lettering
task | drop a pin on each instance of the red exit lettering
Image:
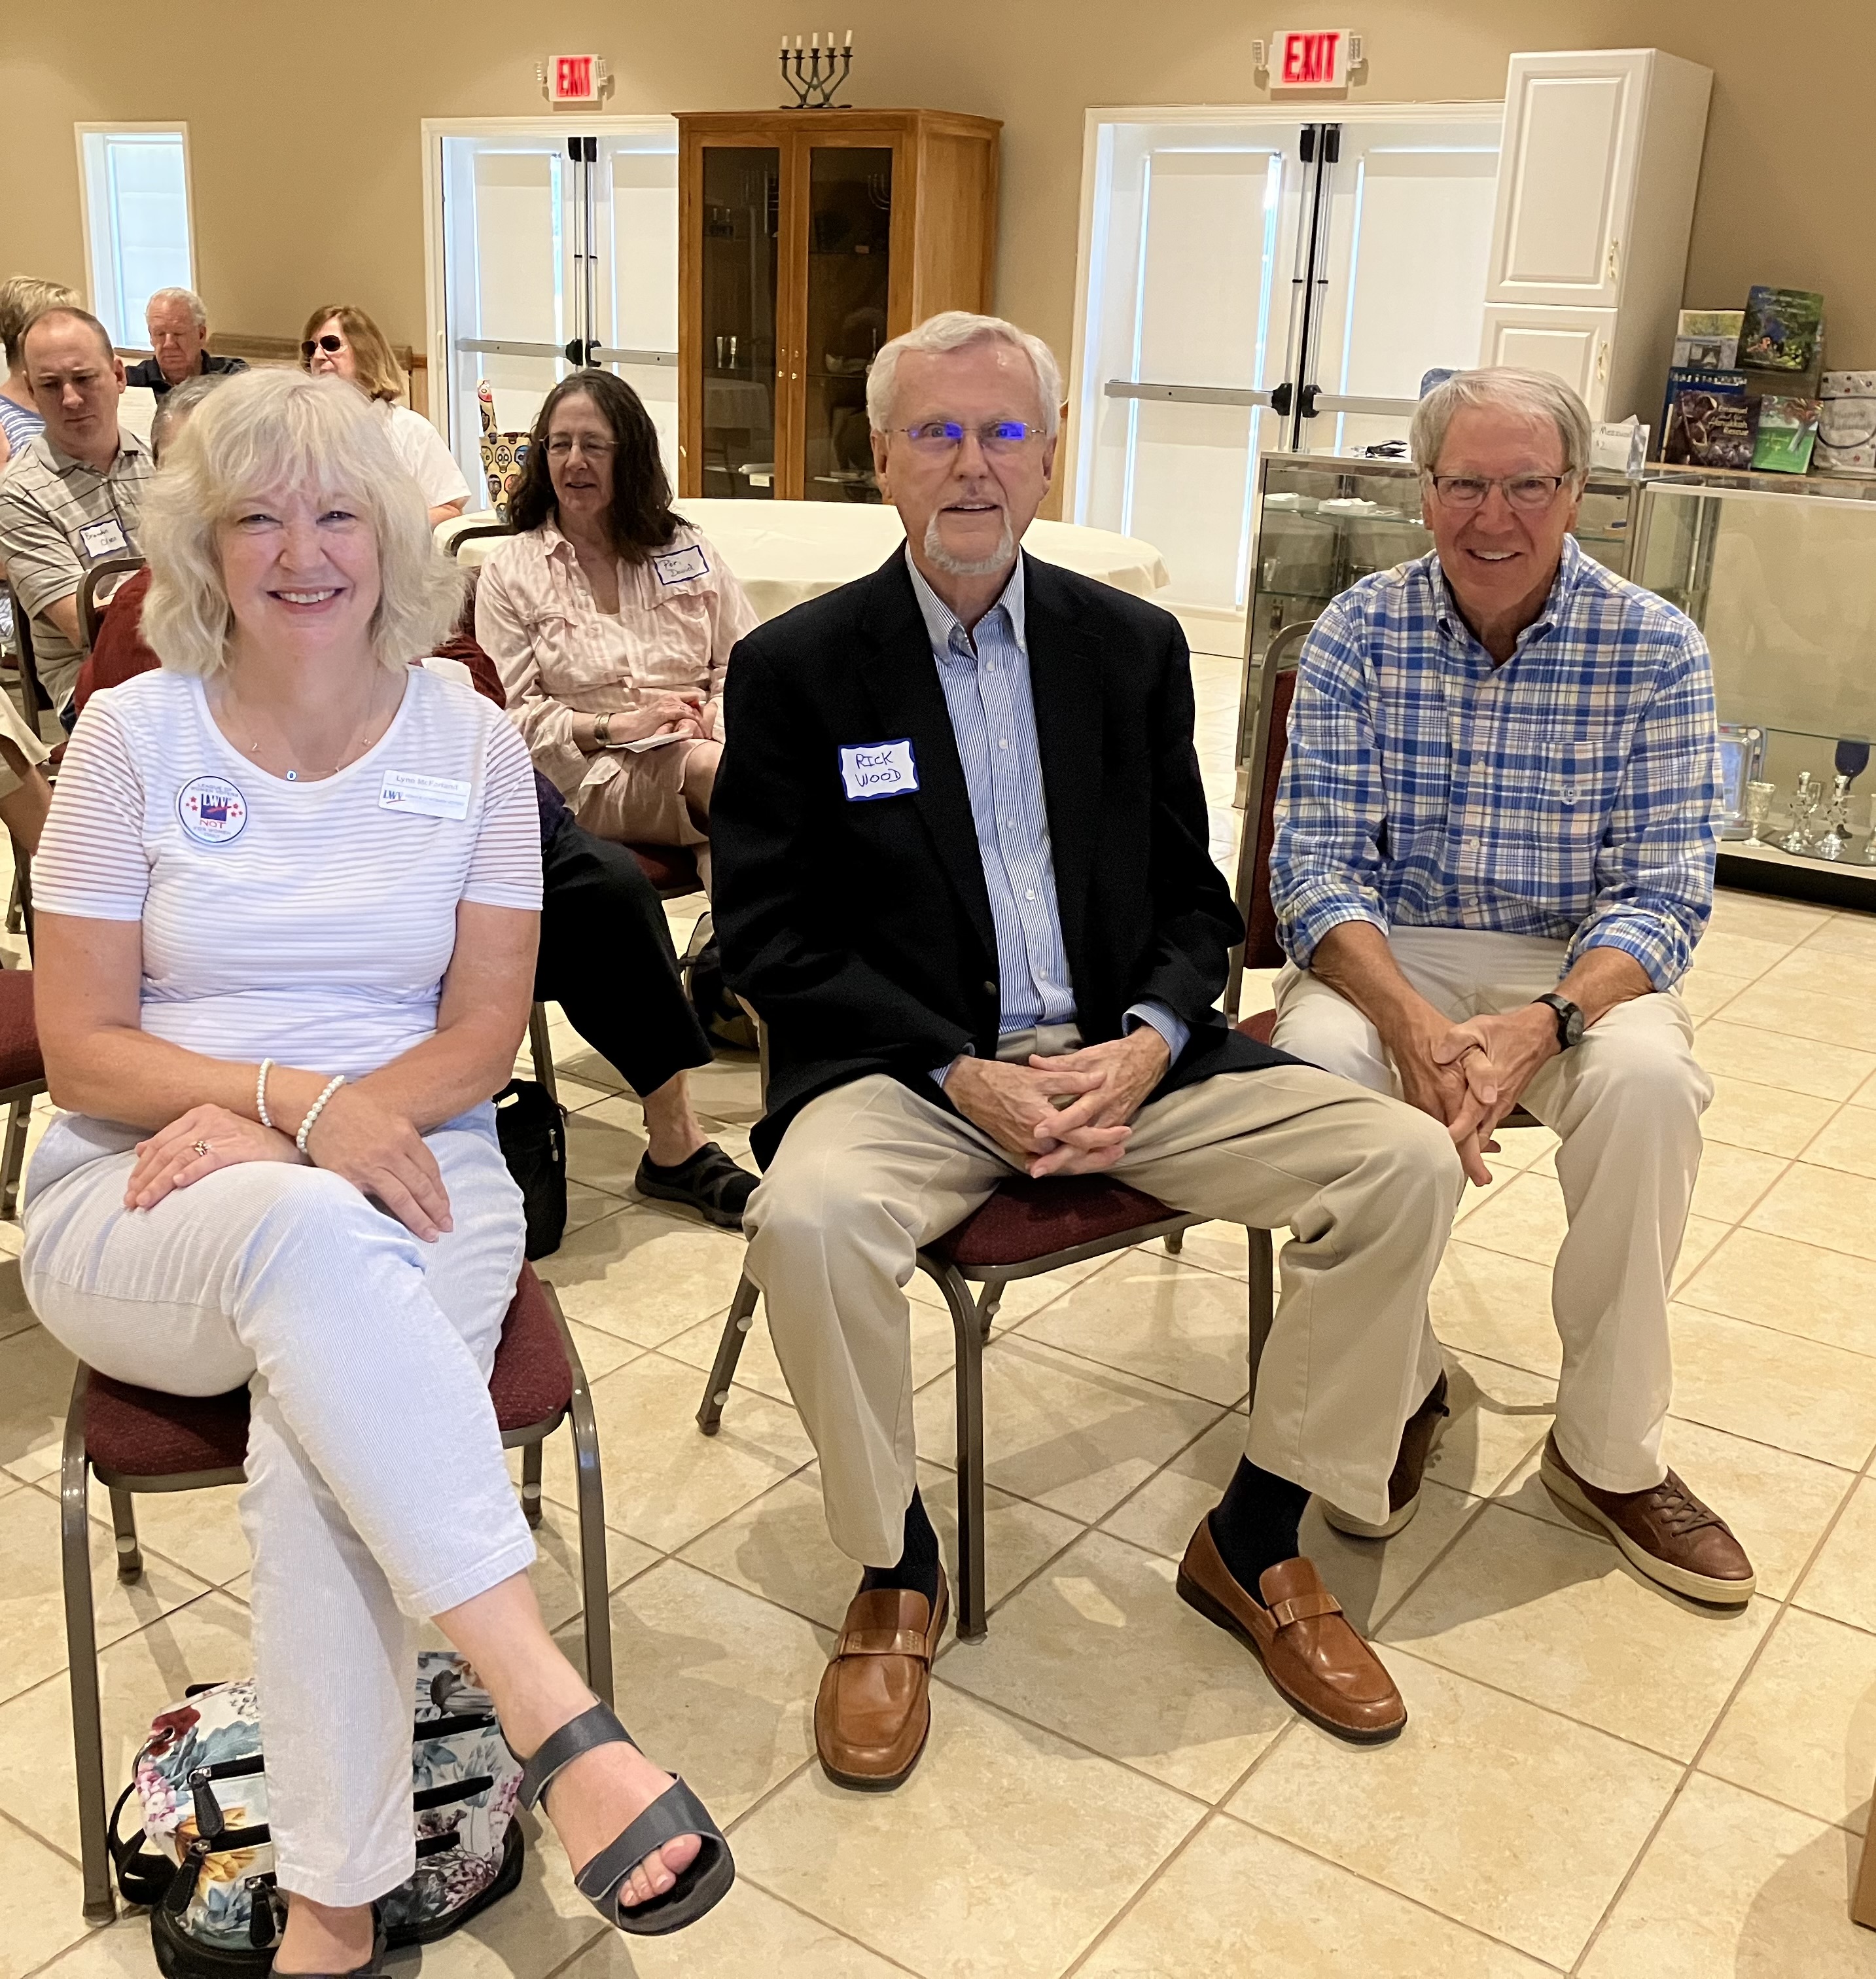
(573, 77)
(1310, 58)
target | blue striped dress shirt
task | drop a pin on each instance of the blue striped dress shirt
(985, 675)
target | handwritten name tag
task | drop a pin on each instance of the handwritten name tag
(428, 797)
(680, 566)
(105, 538)
(879, 770)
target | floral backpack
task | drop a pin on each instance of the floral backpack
(204, 1862)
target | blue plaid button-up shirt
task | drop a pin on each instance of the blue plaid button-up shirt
(1570, 792)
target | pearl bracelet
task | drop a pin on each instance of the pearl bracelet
(314, 1111)
(260, 1093)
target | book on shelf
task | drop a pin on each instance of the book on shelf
(1708, 421)
(1783, 329)
(1708, 340)
(1788, 429)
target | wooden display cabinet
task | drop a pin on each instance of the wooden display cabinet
(807, 239)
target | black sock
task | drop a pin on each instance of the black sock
(1255, 1525)
(917, 1567)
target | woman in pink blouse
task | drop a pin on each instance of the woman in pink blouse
(612, 621)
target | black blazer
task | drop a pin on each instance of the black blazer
(861, 931)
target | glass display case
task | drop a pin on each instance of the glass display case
(1779, 572)
(1324, 522)
(741, 199)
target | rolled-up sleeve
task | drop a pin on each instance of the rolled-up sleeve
(1325, 862)
(1655, 866)
(504, 632)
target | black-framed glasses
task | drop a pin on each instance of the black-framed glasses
(1531, 493)
(946, 435)
(331, 345)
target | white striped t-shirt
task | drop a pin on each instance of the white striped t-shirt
(310, 922)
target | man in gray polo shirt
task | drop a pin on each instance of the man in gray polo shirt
(73, 497)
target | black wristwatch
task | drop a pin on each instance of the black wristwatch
(1569, 1020)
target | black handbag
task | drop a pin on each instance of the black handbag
(532, 1126)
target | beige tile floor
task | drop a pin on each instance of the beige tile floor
(1596, 1778)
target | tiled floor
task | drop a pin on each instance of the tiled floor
(1596, 1778)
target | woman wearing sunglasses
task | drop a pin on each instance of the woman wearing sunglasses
(341, 341)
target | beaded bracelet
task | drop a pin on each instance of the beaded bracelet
(260, 1093)
(314, 1111)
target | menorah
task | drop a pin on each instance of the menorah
(804, 72)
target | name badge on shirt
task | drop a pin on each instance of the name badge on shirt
(680, 566)
(879, 770)
(211, 810)
(428, 796)
(104, 538)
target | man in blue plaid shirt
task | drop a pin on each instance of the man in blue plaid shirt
(1494, 855)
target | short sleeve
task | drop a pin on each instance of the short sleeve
(504, 868)
(430, 460)
(91, 860)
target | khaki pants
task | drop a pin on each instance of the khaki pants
(1627, 1101)
(869, 1172)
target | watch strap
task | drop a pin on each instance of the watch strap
(1563, 1010)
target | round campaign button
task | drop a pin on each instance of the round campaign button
(213, 811)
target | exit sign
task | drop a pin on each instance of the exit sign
(575, 78)
(1309, 58)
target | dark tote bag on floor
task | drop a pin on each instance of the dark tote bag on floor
(533, 1128)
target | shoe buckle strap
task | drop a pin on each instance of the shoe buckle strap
(884, 1642)
(1303, 1608)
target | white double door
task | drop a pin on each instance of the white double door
(1250, 284)
(554, 246)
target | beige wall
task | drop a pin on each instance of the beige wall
(304, 138)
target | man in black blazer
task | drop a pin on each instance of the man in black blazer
(962, 873)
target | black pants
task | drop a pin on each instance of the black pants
(607, 959)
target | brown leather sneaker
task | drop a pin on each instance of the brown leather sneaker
(1297, 1632)
(873, 1713)
(1666, 1534)
(1424, 1428)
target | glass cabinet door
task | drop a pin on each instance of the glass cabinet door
(849, 196)
(742, 205)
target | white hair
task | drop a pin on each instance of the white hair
(188, 297)
(1534, 394)
(954, 329)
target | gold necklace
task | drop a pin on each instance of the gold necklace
(347, 754)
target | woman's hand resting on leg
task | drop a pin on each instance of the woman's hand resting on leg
(203, 1139)
(382, 1155)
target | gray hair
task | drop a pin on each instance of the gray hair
(196, 307)
(262, 433)
(1534, 394)
(177, 403)
(954, 329)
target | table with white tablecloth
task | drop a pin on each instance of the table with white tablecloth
(785, 553)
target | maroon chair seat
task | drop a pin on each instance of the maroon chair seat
(671, 869)
(20, 1062)
(1263, 1026)
(531, 1381)
(1027, 1220)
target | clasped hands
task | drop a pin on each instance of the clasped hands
(660, 711)
(1470, 1075)
(1061, 1116)
(378, 1152)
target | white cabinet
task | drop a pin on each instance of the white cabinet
(1597, 174)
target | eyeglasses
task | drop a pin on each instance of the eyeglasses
(1530, 493)
(563, 444)
(333, 345)
(946, 435)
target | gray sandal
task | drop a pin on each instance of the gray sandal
(676, 1811)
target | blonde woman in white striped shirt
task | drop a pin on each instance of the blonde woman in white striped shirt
(288, 845)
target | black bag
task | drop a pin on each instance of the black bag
(531, 1127)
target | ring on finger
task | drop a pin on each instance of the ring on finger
(198, 1147)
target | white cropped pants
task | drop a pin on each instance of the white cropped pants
(377, 1494)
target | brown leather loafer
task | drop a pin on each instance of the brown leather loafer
(873, 1713)
(1667, 1534)
(1298, 1633)
(1424, 1427)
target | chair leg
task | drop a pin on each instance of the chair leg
(13, 1157)
(972, 1622)
(1262, 1299)
(988, 1300)
(530, 1483)
(123, 1523)
(15, 915)
(1175, 1242)
(542, 1047)
(590, 1494)
(87, 1733)
(729, 1351)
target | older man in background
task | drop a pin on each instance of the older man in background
(1494, 855)
(177, 321)
(74, 497)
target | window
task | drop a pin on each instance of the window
(136, 219)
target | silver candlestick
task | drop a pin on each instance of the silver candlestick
(1758, 798)
(1804, 801)
(1835, 841)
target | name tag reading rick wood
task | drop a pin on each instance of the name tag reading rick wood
(879, 770)
(428, 797)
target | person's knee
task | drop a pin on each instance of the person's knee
(306, 1225)
(805, 1215)
(1334, 1036)
(1406, 1155)
(1651, 1082)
